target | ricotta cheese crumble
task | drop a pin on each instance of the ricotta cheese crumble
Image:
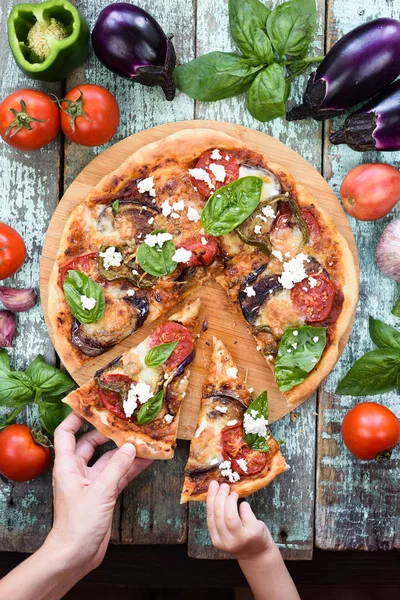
(182, 255)
(226, 471)
(111, 258)
(202, 175)
(139, 393)
(152, 239)
(88, 303)
(147, 185)
(252, 423)
(293, 271)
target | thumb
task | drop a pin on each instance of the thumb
(117, 467)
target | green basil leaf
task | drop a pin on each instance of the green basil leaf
(383, 335)
(52, 413)
(260, 10)
(150, 409)
(374, 373)
(267, 94)
(155, 260)
(249, 32)
(291, 26)
(115, 206)
(9, 417)
(157, 355)
(396, 309)
(15, 391)
(216, 76)
(4, 361)
(50, 380)
(230, 205)
(257, 409)
(78, 284)
(298, 355)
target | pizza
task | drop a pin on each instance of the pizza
(195, 206)
(137, 397)
(232, 443)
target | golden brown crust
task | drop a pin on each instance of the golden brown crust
(156, 440)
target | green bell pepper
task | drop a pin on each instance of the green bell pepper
(48, 39)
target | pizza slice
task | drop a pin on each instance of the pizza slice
(232, 443)
(137, 397)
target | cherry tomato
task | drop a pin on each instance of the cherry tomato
(85, 264)
(370, 191)
(231, 168)
(89, 115)
(234, 448)
(315, 302)
(21, 457)
(112, 402)
(29, 119)
(172, 332)
(202, 254)
(370, 429)
(12, 251)
(311, 222)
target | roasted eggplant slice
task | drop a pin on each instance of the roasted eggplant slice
(264, 286)
(122, 317)
(289, 225)
(130, 219)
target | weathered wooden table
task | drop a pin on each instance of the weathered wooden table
(327, 499)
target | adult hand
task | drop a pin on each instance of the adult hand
(85, 497)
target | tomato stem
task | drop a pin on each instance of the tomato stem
(21, 121)
(385, 455)
(39, 437)
(74, 109)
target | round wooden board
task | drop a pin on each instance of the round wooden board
(223, 318)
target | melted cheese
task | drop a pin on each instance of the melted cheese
(279, 313)
(271, 186)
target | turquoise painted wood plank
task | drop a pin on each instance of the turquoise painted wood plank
(358, 505)
(29, 191)
(145, 513)
(287, 506)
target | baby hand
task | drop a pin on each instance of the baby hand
(235, 531)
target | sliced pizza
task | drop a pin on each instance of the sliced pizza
(137, 397)
(232, 443)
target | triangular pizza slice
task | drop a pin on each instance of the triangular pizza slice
(232, 443)
(137, 397)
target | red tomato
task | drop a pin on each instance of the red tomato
(12, 251)
(29, 119)
(311, 222)
(230, 164)
(112, 402)
(234, 448)
(370, 429)
(85, 264)
(202, 254)
(21, 457)
(370, 191)
(316, 302)
(89, 115)
(172, 332)
(284, 219)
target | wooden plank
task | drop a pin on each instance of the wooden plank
(358, 504)
(292, 495)
(29, 191)
(141, 107)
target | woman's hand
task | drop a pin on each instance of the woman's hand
(85, 497)
(235, 531)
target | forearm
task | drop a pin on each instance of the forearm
(46, 575)
(268, 577)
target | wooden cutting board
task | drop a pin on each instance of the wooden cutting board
(223, 318)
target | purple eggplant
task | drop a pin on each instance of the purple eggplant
(357, 67)
(130, 42)
(375, 126)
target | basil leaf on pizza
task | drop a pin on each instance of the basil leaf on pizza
(377, 372)
(255, 424)
(150, 409)
(231, 204)
(84, 296)
(155, 254)
(157, 355)
(299, 351)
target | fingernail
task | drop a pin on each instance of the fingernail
(128, 449)
(213, 485)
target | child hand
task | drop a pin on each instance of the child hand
(235, 531)
(85, 497)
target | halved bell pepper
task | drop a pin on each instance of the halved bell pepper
(48, 39)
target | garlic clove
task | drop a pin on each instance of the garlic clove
(8, 323)
(18, 300)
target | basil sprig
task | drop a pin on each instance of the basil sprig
(274, 45)
(157, 260)
(149, 411)
(40, 384)
(78, 284)
(260, 407)
(298, 355)
(157, 355)
(230, 205)
(396, 309)
(378, 371)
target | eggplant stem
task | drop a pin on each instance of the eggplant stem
(298, 112)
